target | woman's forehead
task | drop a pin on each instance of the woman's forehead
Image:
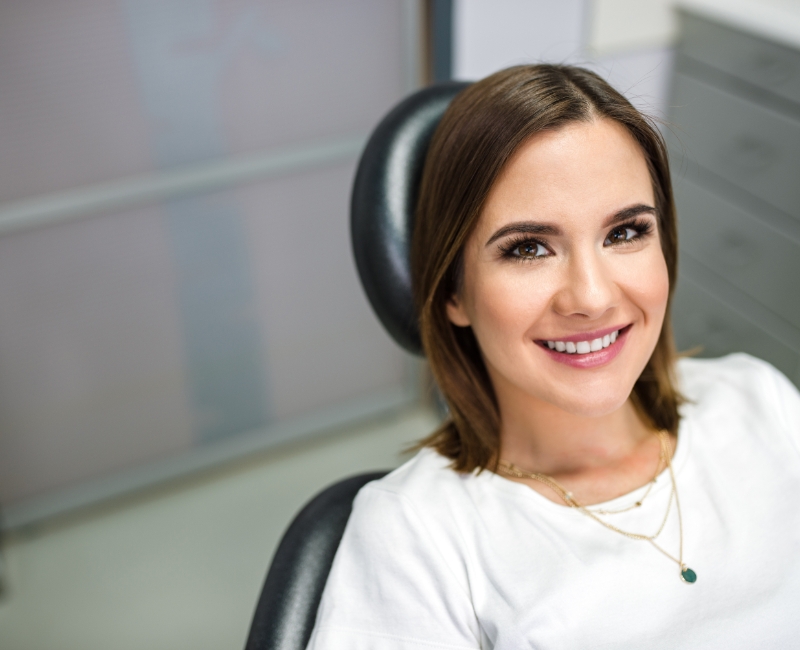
(580, 171)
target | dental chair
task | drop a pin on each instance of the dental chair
(382, 217)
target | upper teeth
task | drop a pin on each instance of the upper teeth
(583, 347)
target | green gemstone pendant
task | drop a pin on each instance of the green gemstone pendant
(687, 575)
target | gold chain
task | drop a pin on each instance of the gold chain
(679, 560)
(566, 496)
(662, 455)
(511, 470)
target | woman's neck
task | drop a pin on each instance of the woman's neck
(596, 458)
(543, 438)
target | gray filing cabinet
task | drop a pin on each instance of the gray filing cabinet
(734, 138)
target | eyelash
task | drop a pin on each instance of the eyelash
(642, 227)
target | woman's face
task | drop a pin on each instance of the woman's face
(565, 285)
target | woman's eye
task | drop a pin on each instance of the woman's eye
(621, 234)
(529, 250)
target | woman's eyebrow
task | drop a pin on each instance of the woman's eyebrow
(629, 213)
(525, 227)
(536, 228)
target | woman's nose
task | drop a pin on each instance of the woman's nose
(587, 288)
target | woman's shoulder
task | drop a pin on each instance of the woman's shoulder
(735, 373)
(425, 480)
(739, 391)
(732, 368)
(412, 515)
(423, 498)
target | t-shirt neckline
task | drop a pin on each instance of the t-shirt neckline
(678, 462)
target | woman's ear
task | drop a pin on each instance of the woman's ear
(456, 312)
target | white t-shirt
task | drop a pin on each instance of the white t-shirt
(436, 559)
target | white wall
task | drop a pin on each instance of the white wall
(627, 41)
(489, 35)
(623, 25)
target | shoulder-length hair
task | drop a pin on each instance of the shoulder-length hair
(479, 133)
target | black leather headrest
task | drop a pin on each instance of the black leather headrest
(383, 202)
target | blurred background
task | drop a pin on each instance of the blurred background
(186, 355)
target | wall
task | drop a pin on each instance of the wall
(628, 41)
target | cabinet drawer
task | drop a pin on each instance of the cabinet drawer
(747, 144)
(746, 251)
(700, 318)
(770, 66)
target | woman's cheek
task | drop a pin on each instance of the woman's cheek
(510, 303)
(644, 282)
(653, 282)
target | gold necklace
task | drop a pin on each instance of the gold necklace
(686, 574)
(663, 452)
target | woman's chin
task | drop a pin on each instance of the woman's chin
(596, 395)
(595, 410)
(589, 403)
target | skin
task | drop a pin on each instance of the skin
(584, 273)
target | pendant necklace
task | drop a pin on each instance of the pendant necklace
(687, 575)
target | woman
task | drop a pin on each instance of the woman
(587, 491)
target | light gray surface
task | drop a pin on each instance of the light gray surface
(745, 143)
(768, 322)
(92, 377)
(490, 36)
(179, 568)
(745, 250)
(186, 284)
(735, 154)
(73, 110)
(104, 198)
(773, 20)
(87, 494)
(701, 318)
(765, 64)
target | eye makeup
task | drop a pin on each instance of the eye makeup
(512, 247)
(641, 227)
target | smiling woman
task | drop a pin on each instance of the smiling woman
(550, 167)
(545, 511)
(579, 279)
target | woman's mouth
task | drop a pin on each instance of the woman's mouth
(584, 347)
(596, 349)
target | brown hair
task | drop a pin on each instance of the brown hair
(479, 133)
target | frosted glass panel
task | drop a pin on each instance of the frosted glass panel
(91, 90)
(140, 334)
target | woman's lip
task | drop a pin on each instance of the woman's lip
(585, 336)
(591, 359)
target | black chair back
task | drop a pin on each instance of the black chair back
(287, 608)
(383, 202)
